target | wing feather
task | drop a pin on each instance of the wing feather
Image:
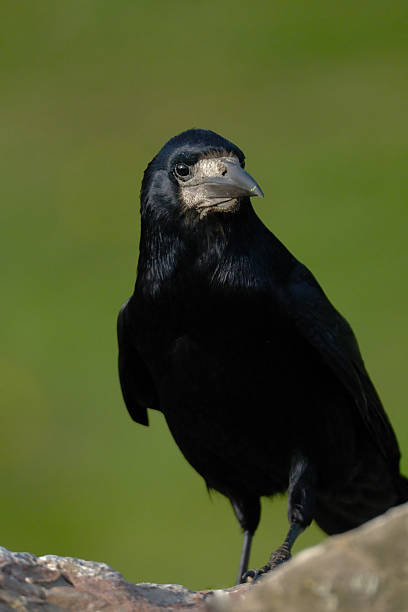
(135, 380)
(327, 331)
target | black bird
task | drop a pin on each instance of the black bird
(260, 379)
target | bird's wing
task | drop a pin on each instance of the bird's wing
(307, 306)
(135, 380)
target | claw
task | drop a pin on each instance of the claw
(252, 576)
(248, 577)
(279, 556)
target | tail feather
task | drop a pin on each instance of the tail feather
(367, 496)
(403, 489)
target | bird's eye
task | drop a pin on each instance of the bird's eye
(182, 170)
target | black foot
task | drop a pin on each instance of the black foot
(279, 556)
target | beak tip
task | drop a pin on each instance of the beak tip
(257, 191)
(254, 189)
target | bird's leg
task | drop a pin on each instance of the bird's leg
(300, 513)
(279, 556)
(248, 512)
(245, 552)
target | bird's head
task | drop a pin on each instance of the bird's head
(195, 174)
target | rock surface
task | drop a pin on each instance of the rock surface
(53, 584)
(362, 570)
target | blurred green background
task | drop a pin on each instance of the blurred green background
(316, 94)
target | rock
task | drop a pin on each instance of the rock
(362, 570)
(55, 584)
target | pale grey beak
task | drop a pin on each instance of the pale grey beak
(235, 183)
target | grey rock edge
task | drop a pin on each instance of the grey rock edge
(365, 570)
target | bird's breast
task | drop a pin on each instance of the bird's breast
(241, 391)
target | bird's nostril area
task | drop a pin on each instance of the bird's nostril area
(222, 168)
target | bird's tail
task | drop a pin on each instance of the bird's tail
(363, 500)
(403, 489)
(342, 514)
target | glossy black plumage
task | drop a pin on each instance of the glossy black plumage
(260, 379)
